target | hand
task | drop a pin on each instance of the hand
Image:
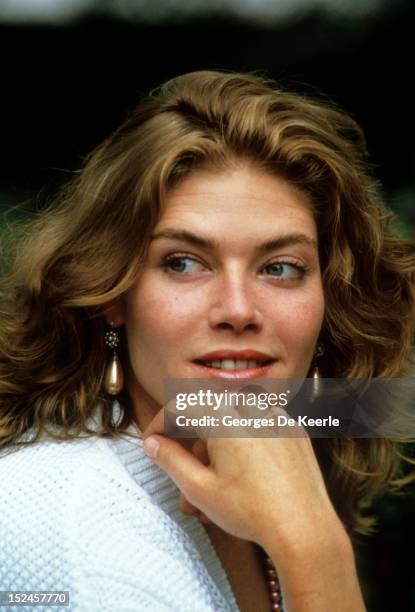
(250, 487)
(198, 449)
(269, 491)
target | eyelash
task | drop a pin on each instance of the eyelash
(300, 268)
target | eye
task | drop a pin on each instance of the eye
(286, 270)
(181, 264)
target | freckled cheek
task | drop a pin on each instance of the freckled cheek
(163, 322)
(298, 322)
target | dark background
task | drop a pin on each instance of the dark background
(66, 85)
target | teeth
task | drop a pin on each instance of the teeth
(233, 364)
(228, 364)
(240, 364)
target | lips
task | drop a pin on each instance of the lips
(244, 355)
(251, 364)
(204, 371)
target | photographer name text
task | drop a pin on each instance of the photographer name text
(256, 422)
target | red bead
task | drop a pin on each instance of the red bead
(274, 585)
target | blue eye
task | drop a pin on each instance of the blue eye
(292, 271)
(183, 265)
(180, 265)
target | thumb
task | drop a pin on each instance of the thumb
(198, 450)
(191, 476)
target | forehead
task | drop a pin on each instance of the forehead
(237, 202)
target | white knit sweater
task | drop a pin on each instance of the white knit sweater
(99, 519)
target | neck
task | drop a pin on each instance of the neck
(144, 406)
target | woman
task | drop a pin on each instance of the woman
(226, 225)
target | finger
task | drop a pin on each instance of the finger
(186, 507)
(204, 519)
(156, 425)
(190, 510)
(190, 475)
(200, 451)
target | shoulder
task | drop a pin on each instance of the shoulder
(59, 498)
(88, 516)
(96, 498)
(51, 461)
(64, 470)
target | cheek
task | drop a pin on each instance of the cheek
(298, 321)
(159, 318)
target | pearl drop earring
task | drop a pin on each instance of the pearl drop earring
(315, 373)
(114, 375)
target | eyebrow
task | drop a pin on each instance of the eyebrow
(212, 245)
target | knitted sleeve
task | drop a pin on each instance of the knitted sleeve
(73, 519)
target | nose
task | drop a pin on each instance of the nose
(235, 305)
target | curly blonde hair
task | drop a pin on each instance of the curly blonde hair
(87, 248)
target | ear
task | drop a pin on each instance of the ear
(114, 313)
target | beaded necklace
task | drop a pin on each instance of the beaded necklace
(273, 584)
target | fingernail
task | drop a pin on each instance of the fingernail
(151, 446)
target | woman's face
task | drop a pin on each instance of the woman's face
(233, 270)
